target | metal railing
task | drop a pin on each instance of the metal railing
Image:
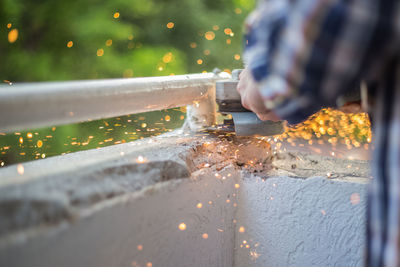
(35, 105)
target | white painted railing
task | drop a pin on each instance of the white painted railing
(34, 105)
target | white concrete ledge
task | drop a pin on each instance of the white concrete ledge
(122, 206)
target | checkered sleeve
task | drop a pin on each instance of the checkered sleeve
(304, 54)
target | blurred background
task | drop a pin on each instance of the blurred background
(51, 40)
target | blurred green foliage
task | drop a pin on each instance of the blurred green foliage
(45, 40)
(140, 37)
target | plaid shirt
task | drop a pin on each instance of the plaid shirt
(307, 53)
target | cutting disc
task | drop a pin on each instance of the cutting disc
(248, 124)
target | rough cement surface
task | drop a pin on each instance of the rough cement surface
(304, 165)
(55, 198)
(245, 152)
(93, 208)
(142, 227)
(300, 222)
(36, 197)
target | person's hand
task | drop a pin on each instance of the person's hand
(251, 98)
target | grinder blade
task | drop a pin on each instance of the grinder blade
(248, 124)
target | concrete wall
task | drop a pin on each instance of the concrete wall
(183, 201)
(300, 222)
(141, 228)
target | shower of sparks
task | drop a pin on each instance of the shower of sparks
(35, 144)
(329, 127)
(333, 127)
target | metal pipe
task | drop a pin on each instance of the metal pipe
(35, 105)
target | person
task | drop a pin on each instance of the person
(302, 55)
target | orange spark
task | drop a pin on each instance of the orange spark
(182, 226)
(100, 52)
(20, 169)
(13, 36)
(141, 159)
(210, 35)
(170, 25)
